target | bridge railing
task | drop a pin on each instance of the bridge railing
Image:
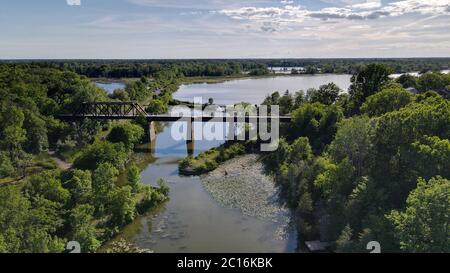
(110, 109)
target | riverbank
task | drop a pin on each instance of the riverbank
(222, 79)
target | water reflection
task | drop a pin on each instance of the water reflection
(191, 221)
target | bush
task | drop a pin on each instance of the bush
(126, 133)
(101, 152)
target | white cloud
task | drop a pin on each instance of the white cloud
(200, 4)
(73, 2)
(357, 10)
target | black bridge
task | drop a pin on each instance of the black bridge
(132, 110)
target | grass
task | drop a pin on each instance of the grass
(210, 160)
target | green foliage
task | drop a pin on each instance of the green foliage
(388, 100)
(326, 94)
(137, 91)
(122, 206)
(103, 183)
(82, 229)
(353, 141)
(126, 133)
(25, 228)
(79, 183)
(47, 185)
(408, 81)
(433, 81)
(163, 188)
(134, 178)
(6, 166)
(316, 121)
(91, 157)
(367, 83)
(425, 224)
(157, 106)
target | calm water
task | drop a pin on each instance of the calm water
(191, 221)
(110, 86)
(255, 90)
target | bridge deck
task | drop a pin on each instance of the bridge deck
(169, 118)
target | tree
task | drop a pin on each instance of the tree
(425, 224)
(157, 106)
(368, 82)
(137, 91)
(82, 229)
(134, 178)
(407, 81)
(326, 94)
(286, 103)
(103, 183)
(6, 166)
(91, 157)
(47, 185)
(127, 133)
(388, 100)
(316, 121)
(353, 141)
(36, 131)
(123, 206)
(79, 183)
(433, 81)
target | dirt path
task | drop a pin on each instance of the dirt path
(63, 165)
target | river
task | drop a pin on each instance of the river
(192, 220)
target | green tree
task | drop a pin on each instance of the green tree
(127, 133)
(103, 184)
(36, 131)
(425, 224)
(433, 81)
(47, 185)
(157, 106)
(388, 100)
(134, 178)
(407, 81)
(367, 83)
(82, 229)
(353, 141)
(316, 121)
(326, 94)
(123, 206)
(79, 183)
(6, 166)
(91, 157)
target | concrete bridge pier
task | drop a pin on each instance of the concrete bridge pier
(190, 141)
(152, 135)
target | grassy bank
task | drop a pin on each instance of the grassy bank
(210, 160)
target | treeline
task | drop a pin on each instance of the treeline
(371, 165)
(46, 208)
(230, 67)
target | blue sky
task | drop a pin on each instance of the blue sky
(223, 28)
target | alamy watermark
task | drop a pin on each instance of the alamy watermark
(239, 122)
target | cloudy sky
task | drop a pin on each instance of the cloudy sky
(224, 28)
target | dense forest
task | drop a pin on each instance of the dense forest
(370, 165)
(42, 206)
(216, 68)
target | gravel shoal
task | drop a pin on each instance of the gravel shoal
(241, 183)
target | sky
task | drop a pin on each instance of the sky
(159, 29)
